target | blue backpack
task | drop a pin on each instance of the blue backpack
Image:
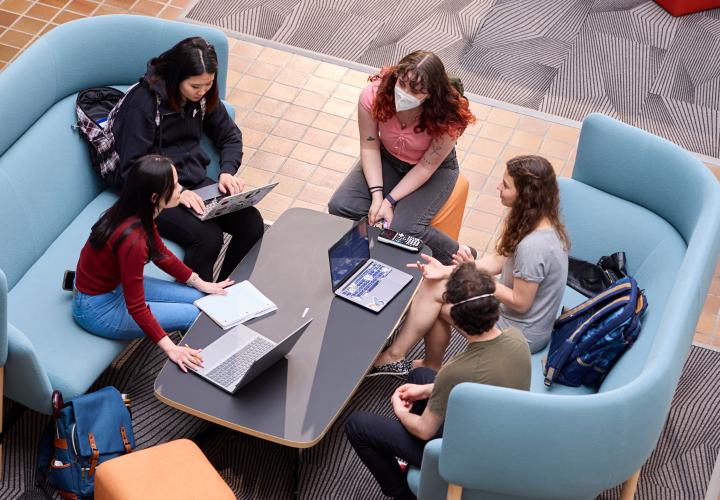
(84, 433)
(588, 339)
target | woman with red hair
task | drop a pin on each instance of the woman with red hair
(409, 117)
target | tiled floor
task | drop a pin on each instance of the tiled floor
(298, 117)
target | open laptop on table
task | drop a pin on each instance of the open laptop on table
(217, 204)
(358, 278)
(241, 354)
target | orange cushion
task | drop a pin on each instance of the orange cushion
(177, 470)
(450, 216)
(682, 7)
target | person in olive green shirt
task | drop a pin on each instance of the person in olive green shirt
(493, 356)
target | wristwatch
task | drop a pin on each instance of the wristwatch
(391, 200)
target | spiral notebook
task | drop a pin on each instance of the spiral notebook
(242, 303)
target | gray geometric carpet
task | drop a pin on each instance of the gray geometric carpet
(679, 469)
(625, 58)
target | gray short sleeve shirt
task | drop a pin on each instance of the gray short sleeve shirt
(539, 258)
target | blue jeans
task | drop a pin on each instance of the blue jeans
(106, 315)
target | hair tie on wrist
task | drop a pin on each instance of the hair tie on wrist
(391, 200)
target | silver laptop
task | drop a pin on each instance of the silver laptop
(217, 204)
(358, 278)
(241, 354)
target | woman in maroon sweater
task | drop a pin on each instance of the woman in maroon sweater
(112, 298)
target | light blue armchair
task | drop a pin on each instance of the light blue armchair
(50, 197)
(630, 191)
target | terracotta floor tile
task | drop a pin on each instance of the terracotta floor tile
(558, 149)
(471, 198)
(274, 56)
(477, 180)
(475, 238)
(301, 63)
(170, 12)
(325, 177)
(503, 117)
(337, 161)
(252, 138)
(233, 78)
(346, 92)
(330, 71)
(271, 107)
(491, 183)
(464, 142)
(263, 70)
(29, 26)
(707, 323)
(315, 194)
(181, 3)
(275, 202)
(258, 121)
(85, 7)
(472, 129)
(312, 206)
(712, 305)
(278, 145)
(487, 147)
(238, 64)
(105, 10)
(481, 220)
(123, 4)
(310, 100)
(300, 114)
(55, 3)
(243, 100)
(563, 133)
(532, 125)
(495, 132)
(3, 64)
(289, 186)
(340, 108)
(308, 153)
(42, 12)
(526, 140)
(7, 18)
(268, 215)
(66, 16)
(147, 8)
(355, 78)
(329, 123)
(7, 52)
(246, 50)
(253, 85)
(17, 6)
(346, 145)
(15, 38)
(319, 138)
(292, 78)
(265, 160)
(255, 176)
(282, 92)
(320, 85)
(297, 169)
(513, 151)
(289, 130)
(478, 163)
(351, 130)
(46, 28)
(490, 204)
(481, 111)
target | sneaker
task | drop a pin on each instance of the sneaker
(397, 368)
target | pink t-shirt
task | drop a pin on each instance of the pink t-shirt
(403, 144)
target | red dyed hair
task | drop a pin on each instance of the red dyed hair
(445, 111)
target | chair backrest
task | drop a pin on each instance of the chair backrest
(45, 174)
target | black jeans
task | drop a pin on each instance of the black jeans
(378, 440)
(413, 213)
(202, 240)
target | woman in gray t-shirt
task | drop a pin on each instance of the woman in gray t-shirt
(531, 256)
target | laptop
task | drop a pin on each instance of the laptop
(217, 204)
(358, 278)
(241, 354)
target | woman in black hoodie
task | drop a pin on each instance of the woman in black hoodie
(166, 113)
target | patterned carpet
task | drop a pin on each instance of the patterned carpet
(679, 469)
(625, 58)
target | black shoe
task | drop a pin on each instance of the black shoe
(396, 368)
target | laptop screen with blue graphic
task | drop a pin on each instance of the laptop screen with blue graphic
(349, 253)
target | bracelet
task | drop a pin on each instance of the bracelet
(391, 200)
(375, 188)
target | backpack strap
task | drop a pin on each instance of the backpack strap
(126, 441)
(95, 454)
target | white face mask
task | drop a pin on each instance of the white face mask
(405, 101)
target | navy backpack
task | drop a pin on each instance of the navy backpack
(84, 433)
(588, 339)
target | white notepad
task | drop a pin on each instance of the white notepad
(242, 303)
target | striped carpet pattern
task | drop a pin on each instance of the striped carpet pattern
(679, 469)
(625, 58)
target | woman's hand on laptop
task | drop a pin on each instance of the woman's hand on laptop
(184, 356)
(191, 200)
(229, 184)
(214, 288)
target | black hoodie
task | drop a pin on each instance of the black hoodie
(180, 132)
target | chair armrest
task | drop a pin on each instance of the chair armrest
(432, 485)
(564, 446)
(3, 319)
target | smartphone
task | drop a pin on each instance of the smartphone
(402, 240)
(68, 281)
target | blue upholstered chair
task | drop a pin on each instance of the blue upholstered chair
(49, 195)
(630, 191)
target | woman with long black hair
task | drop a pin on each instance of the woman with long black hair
(112, 298)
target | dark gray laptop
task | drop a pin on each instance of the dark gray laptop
(217, 204)
(358, 278)
(241, 354)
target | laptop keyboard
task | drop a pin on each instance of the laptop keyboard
(235, 366)
(366, 281)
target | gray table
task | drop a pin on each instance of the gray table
(295, 402)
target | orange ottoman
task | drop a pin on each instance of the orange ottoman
(449, 218)
(682, 7)
(177, 470)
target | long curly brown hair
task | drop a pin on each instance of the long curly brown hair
(537, 197)
(445, 110)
